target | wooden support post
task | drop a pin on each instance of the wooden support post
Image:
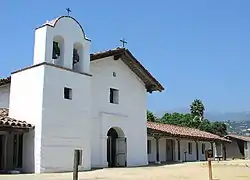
(157, 150)
(17, 149)
(76, 163)
(209, 157)
(224, 152)
(210, 175)
(5, 151)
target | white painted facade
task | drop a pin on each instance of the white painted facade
(238, 148)
(36, 95)
(184, 155)
(4, 96)
(131, 110)
(247, 150)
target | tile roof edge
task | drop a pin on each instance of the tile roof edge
(178, 126)
(16, 122)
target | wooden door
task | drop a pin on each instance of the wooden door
(121, 151)
(169, 150)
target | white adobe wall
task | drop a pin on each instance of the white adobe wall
(4, 96)
(208, 145)
(183, 148)
(152, 155)
(66, 123)
(26, 98)
(37, 96)
(248, 150)
(129, 114)
(192, 157)
(232, 149)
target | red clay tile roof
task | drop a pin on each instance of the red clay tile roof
(6, 121)
(126, 56)
(243, 138)
(184, 132)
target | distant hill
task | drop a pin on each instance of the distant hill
(238, 127)
(215, 116)
(232, 116)
(237, 122)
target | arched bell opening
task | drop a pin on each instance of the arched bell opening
(116, 148)
(77, 57)
(58, 50)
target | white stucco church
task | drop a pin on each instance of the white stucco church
(71, 99)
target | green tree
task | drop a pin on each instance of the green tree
(151, 117)
(177, 119)
(219, 128)
(197, 109)
(172, 118)
(194, 119)
(206, 125)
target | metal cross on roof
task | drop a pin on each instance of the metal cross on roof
(68, 10)
(123, 42)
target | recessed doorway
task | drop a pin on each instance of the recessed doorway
(116, 148)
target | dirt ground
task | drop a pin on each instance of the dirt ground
(224, 170)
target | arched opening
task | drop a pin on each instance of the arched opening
(116, 148)
(77, 57)
(58, 50)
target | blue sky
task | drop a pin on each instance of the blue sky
(196, 48)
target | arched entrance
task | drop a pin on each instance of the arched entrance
(116, 148)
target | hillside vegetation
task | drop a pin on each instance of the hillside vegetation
(194, 119)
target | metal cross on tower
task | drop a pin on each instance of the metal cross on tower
(123, 42)
(68, 11)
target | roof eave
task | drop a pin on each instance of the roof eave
(158, 86)
(199, 138)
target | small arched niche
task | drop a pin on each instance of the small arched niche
(77, 57)
(58, 50)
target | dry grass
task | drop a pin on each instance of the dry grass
(228, 170)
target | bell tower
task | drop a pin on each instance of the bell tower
(56, 91)
(62, 42)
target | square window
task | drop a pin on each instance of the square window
(114, 96)
(67, 93)
(189, 148)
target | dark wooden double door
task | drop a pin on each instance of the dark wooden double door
(116, 149)
(11, 158)
(169, 150)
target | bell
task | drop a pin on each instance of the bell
(56, 50)
(75, 56)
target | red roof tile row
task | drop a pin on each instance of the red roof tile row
(181, 132)
(243, 138)
(6, 121)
